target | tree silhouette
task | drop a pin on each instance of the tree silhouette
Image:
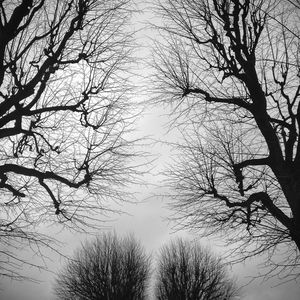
(186, 271)
(63, 115)
(232, 67)
(106, 268)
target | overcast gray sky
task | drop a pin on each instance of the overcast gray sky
(147, 220)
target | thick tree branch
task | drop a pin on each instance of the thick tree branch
(240, 102)
(253, 162)
(42, 175)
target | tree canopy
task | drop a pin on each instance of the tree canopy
(231, 70)
(64, 115)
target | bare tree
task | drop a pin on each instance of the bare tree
(232, 67)
(106, 268)
(186, 271)
(64, 114)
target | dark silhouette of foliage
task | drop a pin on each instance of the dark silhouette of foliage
(186, 271)
(106, 268)
(63, 115)
(232, 66)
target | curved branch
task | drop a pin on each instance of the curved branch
(238, 101)
(42, 175)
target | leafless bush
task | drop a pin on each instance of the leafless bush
(186, 271)
(106, 268)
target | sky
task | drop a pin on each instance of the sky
(148, 218)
